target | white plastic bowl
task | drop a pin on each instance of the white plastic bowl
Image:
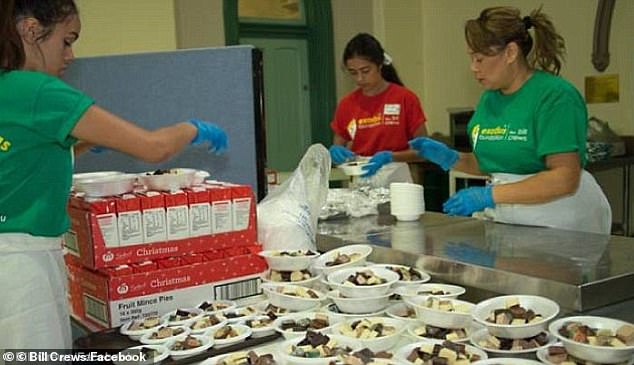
(295, 360)
(396, 309)
(338, 316)
(545, 307)
(309, 283)
(260, 331)
(146, 340)
(404, 351)
(294, 303)
(109, 185)
(243, 333)
(376, 344)
(136, 335)
(359, 305)
(353, 168)
(163, 351)
(261, 308)
(206, 341)
(288, 334)
(183, 322)
(424, 276)
(598, 354)
(483, 334)
(183, 178)
(93, 175)
(542, 355)
(363, 250)
(411, 330)
(453, 291)
(337, 278)
(441, 318)
(287, 263)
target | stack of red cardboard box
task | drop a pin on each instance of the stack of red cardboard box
(147, 253)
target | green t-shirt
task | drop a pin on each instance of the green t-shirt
(37, 114)
(513, 133)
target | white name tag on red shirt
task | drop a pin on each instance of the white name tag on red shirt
(392, 109)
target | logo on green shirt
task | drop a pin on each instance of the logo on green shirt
(5, 144)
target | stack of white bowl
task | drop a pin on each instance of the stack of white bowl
(407, 201)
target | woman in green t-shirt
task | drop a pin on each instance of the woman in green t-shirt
(41, 118)
(528, 132)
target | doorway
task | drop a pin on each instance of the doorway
(299, 78)
(286, 98)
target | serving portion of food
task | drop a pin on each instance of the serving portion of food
(514, 314)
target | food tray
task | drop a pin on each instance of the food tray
(111, 341)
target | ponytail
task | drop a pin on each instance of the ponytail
(11, 50)
(498, 26)
(365, 46)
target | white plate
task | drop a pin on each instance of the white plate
(247, 312)
(483, 334)
(216, 359)
(163, 350)
(223, 321)
(507, 361)
(243, 333)
(146, 340)
(206, 341)
(137, 334)
(260, 331)
(229, 303)
(412, 328)
(284, 347)
(183, 322)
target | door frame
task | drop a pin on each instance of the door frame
(319, 37)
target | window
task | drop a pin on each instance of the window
(272, 11)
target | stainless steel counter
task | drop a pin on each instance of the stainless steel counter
(583, 272)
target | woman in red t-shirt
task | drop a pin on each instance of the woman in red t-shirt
(379, 117)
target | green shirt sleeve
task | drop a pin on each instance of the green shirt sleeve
(58, 107)
(561, 123)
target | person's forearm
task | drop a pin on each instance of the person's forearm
(468, 163)
(406, 156)
(540, 188)
(81, 147)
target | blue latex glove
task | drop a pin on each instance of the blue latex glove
(376, 162)
(339, 154)
(210, 132)
(466, 253)
(436, 152)
(99, 149)
(469, 200)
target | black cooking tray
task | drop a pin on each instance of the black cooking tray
(111, 341)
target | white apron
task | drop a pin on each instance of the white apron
(387, 174)
(587, 210)
(34, 306)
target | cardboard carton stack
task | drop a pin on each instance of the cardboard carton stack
(147, 253)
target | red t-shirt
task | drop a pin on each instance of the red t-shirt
(380, 122)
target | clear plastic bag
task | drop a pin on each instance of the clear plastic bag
(287, 217)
